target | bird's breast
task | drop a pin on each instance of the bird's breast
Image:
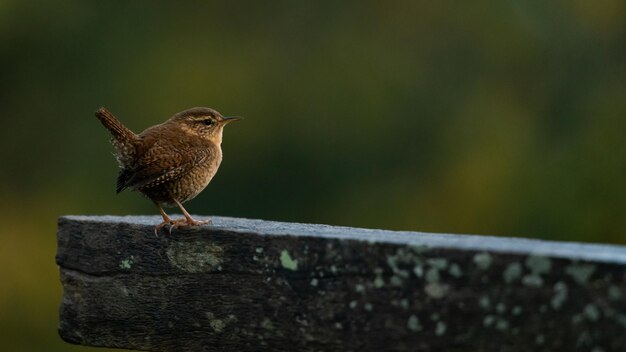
(191, 184)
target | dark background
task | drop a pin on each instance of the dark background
(500, 118)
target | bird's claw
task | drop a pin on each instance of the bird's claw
(162, 225)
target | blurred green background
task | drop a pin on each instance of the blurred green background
(501, 118)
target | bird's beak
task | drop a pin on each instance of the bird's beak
(228, 119)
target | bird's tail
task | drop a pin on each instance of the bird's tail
(117, 129)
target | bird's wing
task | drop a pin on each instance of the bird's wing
(161, 163)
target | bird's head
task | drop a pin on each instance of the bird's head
(203, 122)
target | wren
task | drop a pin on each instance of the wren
(170, 163)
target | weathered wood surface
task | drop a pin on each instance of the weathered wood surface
(251, 285)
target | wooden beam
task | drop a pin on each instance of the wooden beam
(250, 285)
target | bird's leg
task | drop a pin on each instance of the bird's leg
(189, 220)
(166, 220)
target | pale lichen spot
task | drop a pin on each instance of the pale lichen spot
(353, 304)
(392, 263)
(540, 339)
(484, 302)
(432, 275)
(195, 256)
(501, 308)
(127, 263)
(440, 329)
(314, 282)
(333, 269)
(368, 307)
(287, 262)
(517, 310)
(266, 324)
(438, 263)
(436, 290)
(560, 295)
(379, 282)
(395, 280)
(404, 303)
(615, 293)
(218, 325)
(591, 312)
(502, 325)
(483, 260)
(402, 273)
(489, 320)
(418, 270)
(455, 270)
(413, 323)
(259, 250)
(359, 288)
(532, 280)
(580, 272)
(538, 264)
(512, 272)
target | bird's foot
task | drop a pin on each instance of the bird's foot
(180, 223)
(162, 225)
(188, 222)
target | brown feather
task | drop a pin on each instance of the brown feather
(117, 129)
(170, 162)
(166, 156)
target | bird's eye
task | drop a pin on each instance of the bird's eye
(207, 122)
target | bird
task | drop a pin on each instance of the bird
(172, 162)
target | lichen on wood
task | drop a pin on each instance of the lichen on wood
(250, 285)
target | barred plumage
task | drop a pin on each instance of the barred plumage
(172, 162)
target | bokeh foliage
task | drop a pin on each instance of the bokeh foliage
(502, 118)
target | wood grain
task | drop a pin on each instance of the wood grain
(253, 285)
